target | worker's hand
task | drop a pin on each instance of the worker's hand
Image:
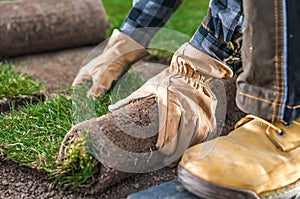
(187, 104)
(117, 57)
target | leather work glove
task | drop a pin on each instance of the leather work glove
(187, 103)
(119, 54)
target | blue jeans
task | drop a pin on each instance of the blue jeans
(269, 85)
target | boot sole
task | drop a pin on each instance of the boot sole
(205, 189)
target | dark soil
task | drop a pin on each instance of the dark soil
(22, 182)
(58, 70)
(6, 104)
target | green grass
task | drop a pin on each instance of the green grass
(186, 19)
(14, 83)
(116, 11)
(32, 135)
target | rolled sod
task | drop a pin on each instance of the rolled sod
(34, 26)
(114, 128)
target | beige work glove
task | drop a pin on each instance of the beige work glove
(134, 2)
(187, 104)
(117, 57)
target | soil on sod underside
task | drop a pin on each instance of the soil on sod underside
(112, 129)
(57, 70)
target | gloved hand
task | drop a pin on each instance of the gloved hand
(120, 52)
(183, 92)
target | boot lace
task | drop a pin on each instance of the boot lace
(279, 131)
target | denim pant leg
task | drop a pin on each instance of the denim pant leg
(269, 85)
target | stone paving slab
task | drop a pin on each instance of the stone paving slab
(169, 190)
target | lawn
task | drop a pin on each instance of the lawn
(13, 84)
(32, 135)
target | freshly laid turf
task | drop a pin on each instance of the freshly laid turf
(13, 84)
(32, 135)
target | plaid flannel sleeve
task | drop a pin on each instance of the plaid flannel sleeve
(145, 14)
(219, 34)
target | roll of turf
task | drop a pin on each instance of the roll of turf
(34, 26)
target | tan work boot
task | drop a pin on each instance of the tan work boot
(258, 159)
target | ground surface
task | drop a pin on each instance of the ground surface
(57, 70)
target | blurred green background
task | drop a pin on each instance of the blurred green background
(186, 19)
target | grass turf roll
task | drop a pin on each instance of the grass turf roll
(34, 26)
